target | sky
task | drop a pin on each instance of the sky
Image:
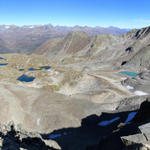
(105, 13)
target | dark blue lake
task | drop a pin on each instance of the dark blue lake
(42, 67)
(32, 69)
(3, 64)
(45, 67)
(21, 69)
(25, 78)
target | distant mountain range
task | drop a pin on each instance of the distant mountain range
(25, 39)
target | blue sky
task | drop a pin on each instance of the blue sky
(120, 13)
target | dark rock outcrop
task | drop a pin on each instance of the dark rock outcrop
(14, 138)
(131, 136)
(143, 114)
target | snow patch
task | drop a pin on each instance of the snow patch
(38, 121)
(31, 27)
(107, 122)
(130, 117)
(129, 87)
(140, 93)
(123, 78)
(7, 27)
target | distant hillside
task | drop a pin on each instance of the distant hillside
(130, 50)
(25, 39)
(69, 45)
(140, 51)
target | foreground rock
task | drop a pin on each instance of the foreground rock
(133, 135)
(138, 141)
(14, 138)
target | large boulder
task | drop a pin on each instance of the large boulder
(136, 142)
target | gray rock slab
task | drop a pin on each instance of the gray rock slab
(136, 139)
(145, 129)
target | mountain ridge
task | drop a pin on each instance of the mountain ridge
(105, 49)
(25, 39)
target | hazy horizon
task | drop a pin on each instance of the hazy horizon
(62, 25)
(121, 14)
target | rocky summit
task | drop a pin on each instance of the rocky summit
(74, 88)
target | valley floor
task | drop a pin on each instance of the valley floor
(65, 104)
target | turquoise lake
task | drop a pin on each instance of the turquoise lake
(131, 74)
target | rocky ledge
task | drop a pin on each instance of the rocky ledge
(134, 135)
(140, 140)
(14, 138)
